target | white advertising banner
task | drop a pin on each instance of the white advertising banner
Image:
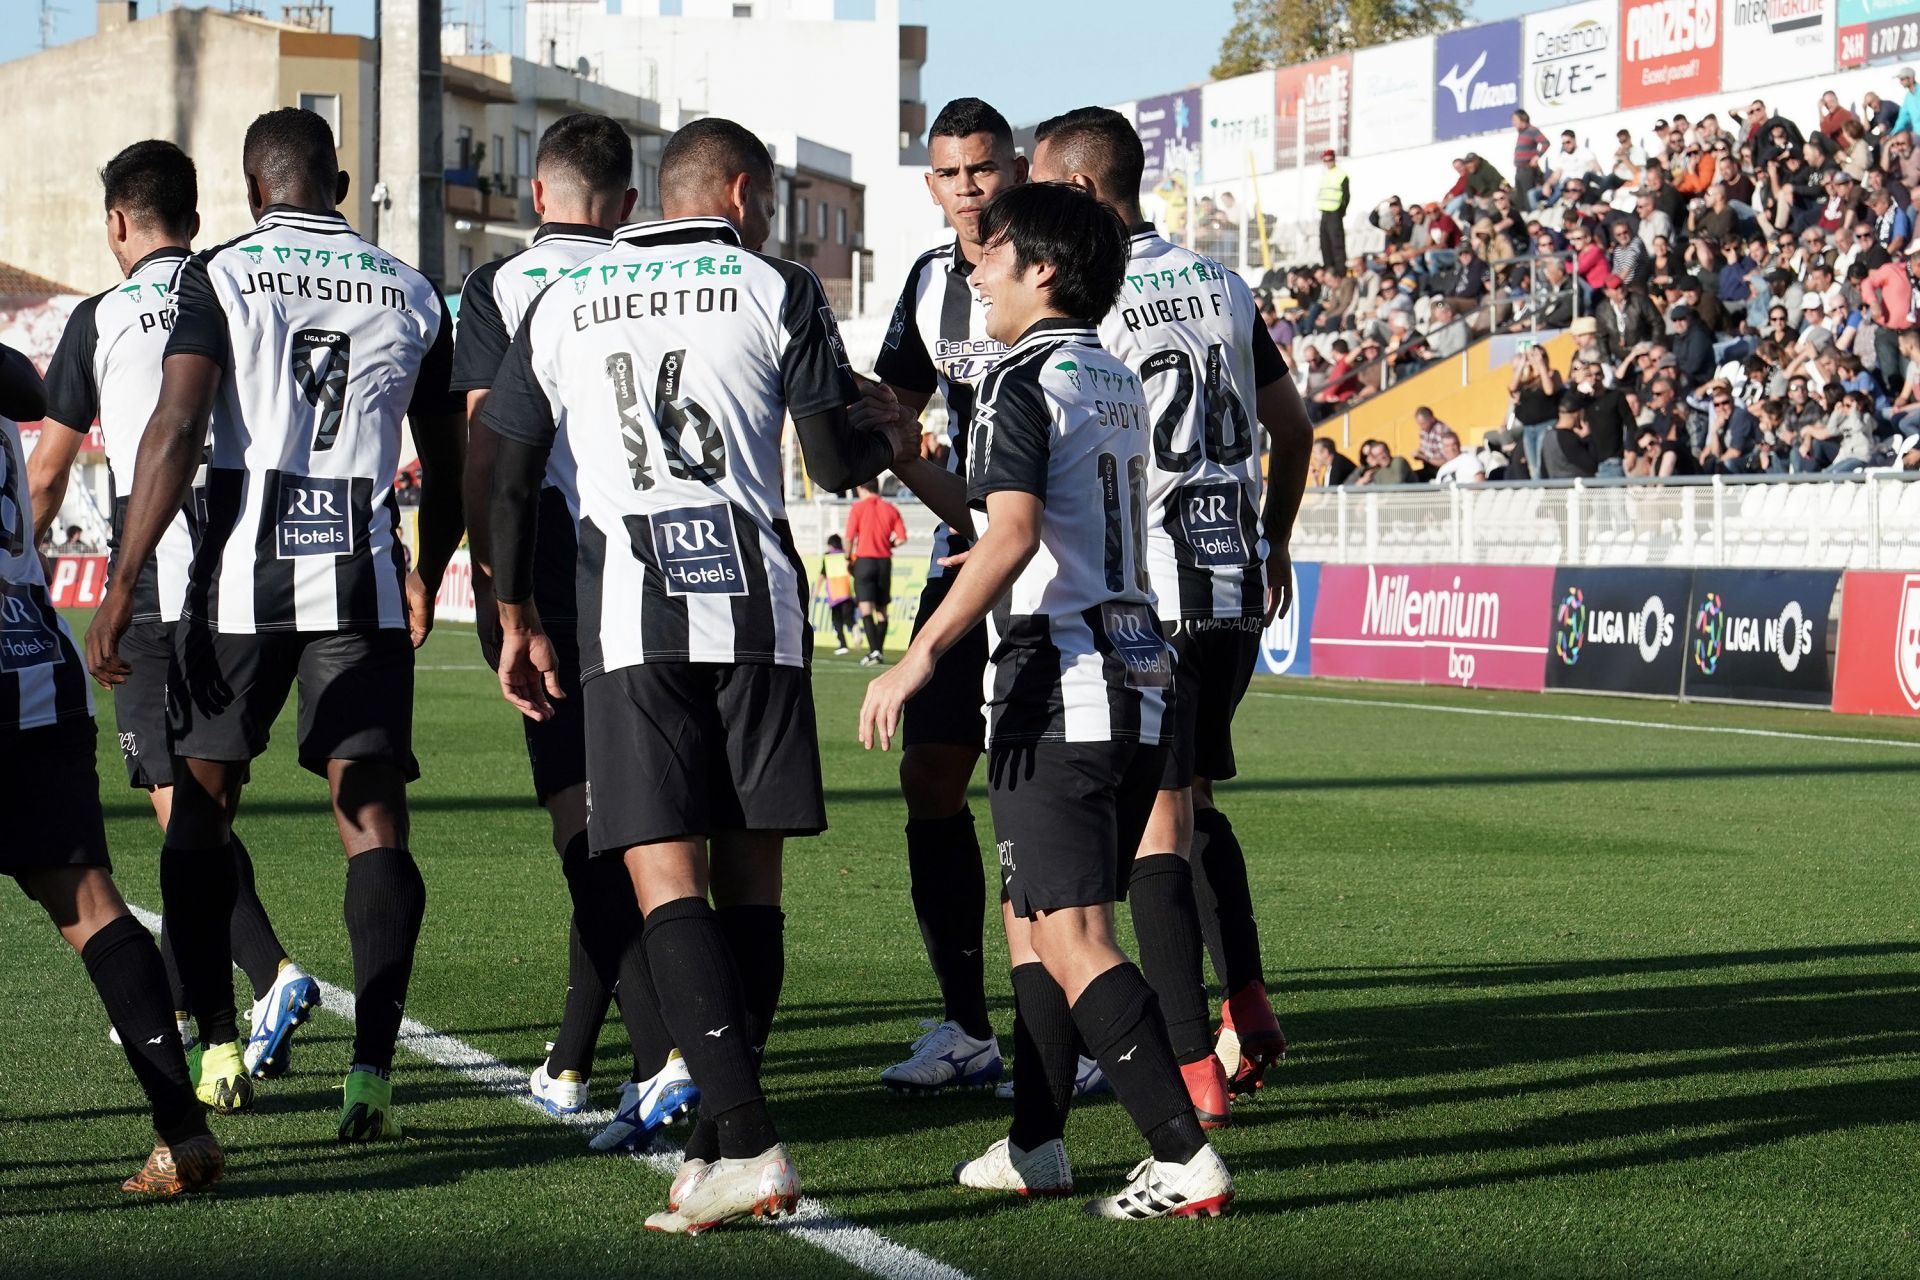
(1573, 62)
(1393, 97)
(1236, 127)
(1770, 40)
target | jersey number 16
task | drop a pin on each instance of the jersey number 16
(673, 414)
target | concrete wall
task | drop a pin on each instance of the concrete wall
(343, 65)
(192, 77)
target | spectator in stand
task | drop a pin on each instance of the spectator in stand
(1572, 162)
(1887, 294)
(1456, 466)
(1446, 333)
(1625, 318)
(1608, 417)
(1470, 280)
(1877, 114)
(1329, 468)
(1629, 257)
(1378, 466)
(76, 544)
(1901, 160)
(1432, 432)
(1341, 385)
(1529, 148)
(1534, 390)
(1692, 348)
(1713, 219)
(1590, 261)
(1393, 222)
(1565, 455)
(1905, 408)
(1650, 222)
(1907, 119)
(1891, 226)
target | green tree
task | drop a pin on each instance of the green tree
(1279, 33)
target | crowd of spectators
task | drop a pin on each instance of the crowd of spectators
(1740, 294)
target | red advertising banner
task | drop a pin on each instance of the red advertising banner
(79, 582)
(1311, 106)
(1878, 671)
(1668, 49)
(1481, 625)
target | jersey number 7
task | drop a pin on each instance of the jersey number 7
(673, 414)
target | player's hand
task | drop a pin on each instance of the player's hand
(419, 608)
(529, 672)
(955, 560)
(1279, 582)
(878, 409)
(104, 634)
(887, 697)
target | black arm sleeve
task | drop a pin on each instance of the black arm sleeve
(517, 408)
(433, 391)
(73, 396)
(903, 361)
(481, 345)
(838, 455)
(518, 470)
(200, 324)
(1269, 366)
(814, 376)
(1013, 434)
(23, 397)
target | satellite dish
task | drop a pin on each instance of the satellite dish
(583, 68)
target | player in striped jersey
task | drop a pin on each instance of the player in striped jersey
(666, 367)
(108, 367)
(56, 845)
(306, 344)
(1076, 697)
(937, 341)
(1218, 556)
(581, 192)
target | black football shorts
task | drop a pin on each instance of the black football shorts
(1068, 817)
(947, 710)
(50, 792)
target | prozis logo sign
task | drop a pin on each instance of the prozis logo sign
(1576, 626)
(1717, 632)
(1668, 49)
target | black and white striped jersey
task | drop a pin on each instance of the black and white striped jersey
(326, 341)
(1190, 329)
(493, 301)
(938, 340)
(42, 677)
(667, 366)
(1077, 652)
(107, 366)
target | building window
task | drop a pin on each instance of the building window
(463, 149)
(327, 107)
(670, 8)
(647, 184)
(801, 221)
(466, 261)
(840, 226)
(853, 10)
(499, 163)
(821, 228)
(743, 11)
(523, 153)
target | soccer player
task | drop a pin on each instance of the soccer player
(306, 344)
(937, 341)
(107, 366)
(1218, 557)
(1077, 704)
(874, 529)
(665, 369)
(56, 845)
(580, 191)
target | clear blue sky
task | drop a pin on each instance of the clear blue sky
(1028, 57)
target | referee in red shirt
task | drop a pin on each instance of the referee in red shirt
(874, 529)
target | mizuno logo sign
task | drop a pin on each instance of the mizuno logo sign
(715, 1033)
(1128, 1054)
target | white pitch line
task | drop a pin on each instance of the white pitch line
(814, 1222)
(1611, 722)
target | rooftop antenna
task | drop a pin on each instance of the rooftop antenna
(49, 22)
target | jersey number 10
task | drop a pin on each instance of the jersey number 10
(1224, 436)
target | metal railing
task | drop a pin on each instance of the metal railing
(1860, 520)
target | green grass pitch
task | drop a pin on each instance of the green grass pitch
(1568, 999)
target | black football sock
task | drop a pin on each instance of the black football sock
(610, 926)
(950, 899)
(175, 987)
(1044, 1061)
(256, 949)
(1168, 931)
(197, 893)
(125, 967)
(868, 625)
(756, 937)
(386, 899)
(1226, 903)
(581, 1016)
(705, 1008)
(880, 629)
(703, 1143)
(1120, 1019)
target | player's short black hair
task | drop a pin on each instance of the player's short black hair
(591, 149)
(153, 182)
(711, 149)
(964, 117)
(1061, 224)
(289, 146)
(1098, 141)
